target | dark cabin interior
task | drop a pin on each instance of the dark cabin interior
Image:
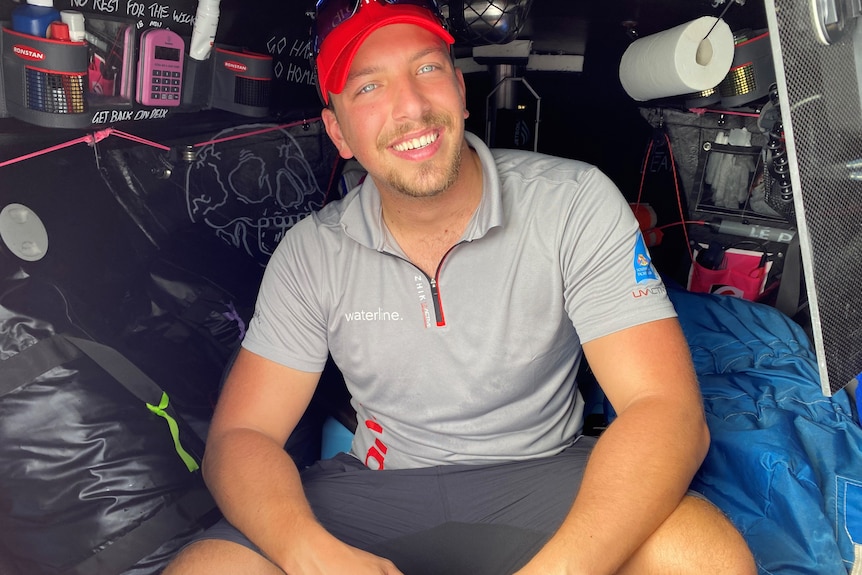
(160, 220)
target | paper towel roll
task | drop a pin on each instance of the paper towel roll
(678, 61)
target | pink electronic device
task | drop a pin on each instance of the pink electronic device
(160, 68)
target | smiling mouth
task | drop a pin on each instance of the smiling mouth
(416, 143)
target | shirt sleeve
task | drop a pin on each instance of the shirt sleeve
(288, 325)
(610, 281)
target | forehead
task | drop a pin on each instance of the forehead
(396, 40)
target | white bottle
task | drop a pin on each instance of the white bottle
(75, 21)
(204, 31)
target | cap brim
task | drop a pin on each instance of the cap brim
(338, 50)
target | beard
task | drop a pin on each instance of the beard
(432, 177)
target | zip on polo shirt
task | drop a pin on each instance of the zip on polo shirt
(433, 282)
(435, 297)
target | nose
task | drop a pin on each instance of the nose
(411, 101)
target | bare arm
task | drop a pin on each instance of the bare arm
(642, 465)
(254, 480)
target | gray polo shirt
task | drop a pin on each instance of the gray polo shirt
(476, 364)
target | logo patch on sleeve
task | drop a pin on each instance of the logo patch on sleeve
(643, 265)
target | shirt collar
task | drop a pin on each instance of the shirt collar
(362, 218)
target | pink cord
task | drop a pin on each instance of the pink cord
(678, 196)
(686, 222)
(676, 188)
(702, 111)
(90, 140)
(85, 139)
(140, 140)
(99, 135)
(255, 132)
(643, 172)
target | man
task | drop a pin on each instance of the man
(455, 289)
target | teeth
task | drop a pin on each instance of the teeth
(415, 143)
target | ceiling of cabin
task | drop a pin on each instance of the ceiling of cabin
(565, 26)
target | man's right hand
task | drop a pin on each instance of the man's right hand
(337, 558)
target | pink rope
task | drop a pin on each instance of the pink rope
(90, 140)
(84, 139)
(702, 111)
(99, 135)
(255, 132)
(140, 140)
(678, 196)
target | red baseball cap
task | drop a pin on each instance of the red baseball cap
(338, 48)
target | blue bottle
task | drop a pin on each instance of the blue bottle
(34, 17)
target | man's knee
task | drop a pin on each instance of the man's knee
(696, 538)
(216, 556)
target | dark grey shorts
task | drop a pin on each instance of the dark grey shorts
(449, 519)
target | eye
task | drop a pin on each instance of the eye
(427, 68)
(367, 88)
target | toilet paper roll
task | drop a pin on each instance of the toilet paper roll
(678, 61)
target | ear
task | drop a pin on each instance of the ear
(462, 88)
(333, 128)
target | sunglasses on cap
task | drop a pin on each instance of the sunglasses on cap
(329, 14)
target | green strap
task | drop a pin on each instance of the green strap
(175, 432)
(138, 383)
(25, 366)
